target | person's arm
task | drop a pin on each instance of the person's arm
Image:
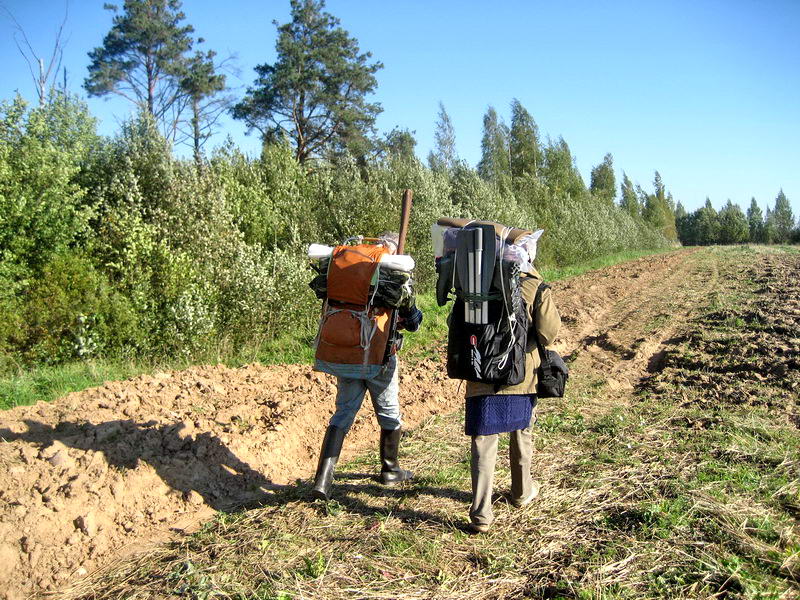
(548, 320)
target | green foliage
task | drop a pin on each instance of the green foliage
(755, 222)
(603, 184)
(138, 254)
(495, 165)
(560, 173)
(524, 147)
(315, 93)
(42, 209)
(629, 201)
(444, 156)
(782, 219)
(73, 312)
(733, 225)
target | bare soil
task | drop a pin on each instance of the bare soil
(102, 473)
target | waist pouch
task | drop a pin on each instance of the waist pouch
(552, 375)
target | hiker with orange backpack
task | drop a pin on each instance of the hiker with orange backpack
(503, 318)
(365, 284)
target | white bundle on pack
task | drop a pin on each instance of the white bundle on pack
(399, 262)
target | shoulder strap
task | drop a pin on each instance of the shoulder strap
(537, 302)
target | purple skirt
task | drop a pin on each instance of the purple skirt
(487, 415)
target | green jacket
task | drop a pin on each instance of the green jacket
(546, 324)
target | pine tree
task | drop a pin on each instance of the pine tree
(143, 60)
(494, 165)
(444, 156)
(315, 92)
(755, 221)
(603, 185)
(628, 201)
(783, 219)
(526, 152)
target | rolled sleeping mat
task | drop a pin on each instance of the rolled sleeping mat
(511, 237)
(401, 262)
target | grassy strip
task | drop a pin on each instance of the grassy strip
(49, 382)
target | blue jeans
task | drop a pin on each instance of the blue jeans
(383, 390)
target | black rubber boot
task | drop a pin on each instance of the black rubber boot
(391, 472)
(328, 456)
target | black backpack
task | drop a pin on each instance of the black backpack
(488, 324)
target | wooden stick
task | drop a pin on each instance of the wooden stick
(405, 217)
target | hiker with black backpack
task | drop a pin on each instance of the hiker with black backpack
(368, 295)
(503, 318)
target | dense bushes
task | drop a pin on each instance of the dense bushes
(113, 247)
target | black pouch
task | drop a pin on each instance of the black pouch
(552, 376)
(553, 373)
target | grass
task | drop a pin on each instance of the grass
(46, 383)
(49, 382)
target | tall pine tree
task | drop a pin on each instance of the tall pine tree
(316, 91)
(143, 59)
(733, 226)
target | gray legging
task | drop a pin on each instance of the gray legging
(484, 457)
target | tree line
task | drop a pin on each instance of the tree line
(731, 225)
(115, 247)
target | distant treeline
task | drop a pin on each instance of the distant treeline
(730, 225)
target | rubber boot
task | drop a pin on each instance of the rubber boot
(328, 456)
(391, 473)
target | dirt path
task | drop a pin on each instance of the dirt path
(103, 472)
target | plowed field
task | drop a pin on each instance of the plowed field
(102, 473)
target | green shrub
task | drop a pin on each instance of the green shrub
(72, 312)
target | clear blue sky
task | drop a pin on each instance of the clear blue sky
(706, 92)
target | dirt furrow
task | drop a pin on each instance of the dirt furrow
(105, 471)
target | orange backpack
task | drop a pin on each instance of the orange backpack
(351, 330)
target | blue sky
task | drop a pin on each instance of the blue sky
(706, 92)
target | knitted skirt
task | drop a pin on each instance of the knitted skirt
(487, 415)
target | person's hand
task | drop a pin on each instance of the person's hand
(410, 319)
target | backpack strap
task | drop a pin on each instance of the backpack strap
(537, 302)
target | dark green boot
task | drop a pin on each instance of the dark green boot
(391, 473)
(328, 456)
